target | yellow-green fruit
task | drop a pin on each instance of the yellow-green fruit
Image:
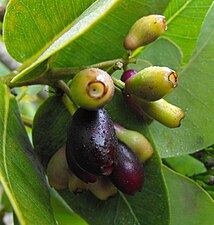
(92, 88)
(152, 83)
(144, 31)
(162, 111)
(135, 141)
(76, 185)
(58, 171)
(103, 189)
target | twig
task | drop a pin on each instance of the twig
(6, 59)
(2, 11)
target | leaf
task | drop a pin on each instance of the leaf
(20, 173)
(50, 128)
(98, 42)
(195, 96)
(163, 52)
(63, 213)
(104, 41)
(190, 204)
(38, 23)
(94, 13)
(184, 20)
(186, 165)
(147, 207)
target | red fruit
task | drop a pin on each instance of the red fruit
(128, 175)
(128, 74)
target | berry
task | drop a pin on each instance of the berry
(76, 185)
(79, 172)
(58, 171)
(128, 175)
(135, 141)
(92, 141)
(161, 110)
(144, 31)
(103, 189)
(92, 88)
(152, 83)
(128, 74)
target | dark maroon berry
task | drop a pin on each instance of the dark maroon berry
(92, 141)
(128, 175)
(128, 74)
(79, 172)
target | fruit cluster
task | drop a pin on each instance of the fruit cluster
(100, 155)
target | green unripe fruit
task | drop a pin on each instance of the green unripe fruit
(162, 111)
(103, 189)
(152, 83)
(135, 141)
(58, 171)
(92, 88)
(144, 31)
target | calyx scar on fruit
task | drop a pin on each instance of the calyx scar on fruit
(92, 88)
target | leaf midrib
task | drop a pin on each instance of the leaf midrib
(178, 12)
(130, 208)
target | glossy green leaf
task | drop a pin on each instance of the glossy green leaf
(184, 20)
(190, 204)
(163, 52)
(76, 28)
(186, 165)
(195, 96)
(20, 172)
(38, 24)
(104, 41)
(63, 213)
(50, 128)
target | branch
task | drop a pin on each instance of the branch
(6, 59)
(2, 11)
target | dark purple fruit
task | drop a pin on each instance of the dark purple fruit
(128, 74)
(128, 175)
(79, 172)
(92, 141)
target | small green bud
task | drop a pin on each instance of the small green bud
(135, 141)
(92, 88)
(152, 83)
(144, 31)
(103, 189)
(58, 171)
(162, 111)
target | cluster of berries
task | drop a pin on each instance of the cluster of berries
(99, 155)
(104, 157)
